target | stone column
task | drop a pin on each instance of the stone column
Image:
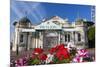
(59, 37)
(84, 39)
(73, 37)
(26, 40)
(76, 38)
(36, 41)
(41, 40)
(29, 41)
(70, 36)
(67, 36)
(16, 40)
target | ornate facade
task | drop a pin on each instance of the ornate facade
(49, 33)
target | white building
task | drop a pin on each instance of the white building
(49, 33)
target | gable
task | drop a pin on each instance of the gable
(48, 25)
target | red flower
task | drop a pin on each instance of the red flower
(55, 49)
(37, 51)
(42, 56)
(52, 50)
(59, 47)
(62, 54)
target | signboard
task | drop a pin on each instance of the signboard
(28, 30)
(48, 25)
(70, 29)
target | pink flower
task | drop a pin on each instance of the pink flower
(83, 53)
(78, 59)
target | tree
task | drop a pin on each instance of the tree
(91, 36)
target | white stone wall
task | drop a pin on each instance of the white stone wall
(82, 31)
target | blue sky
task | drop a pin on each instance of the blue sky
(36, 11)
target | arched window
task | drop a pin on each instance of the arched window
(79, 37)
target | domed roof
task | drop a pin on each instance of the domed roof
(24, 20)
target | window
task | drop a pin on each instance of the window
(21, 38)
(65, 38)
(68, 37)
(79, 37)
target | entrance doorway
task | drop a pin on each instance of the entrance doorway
(50, 40)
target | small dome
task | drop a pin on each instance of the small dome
(79, 21)
(24, 20)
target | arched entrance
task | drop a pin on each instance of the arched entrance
(50, 39)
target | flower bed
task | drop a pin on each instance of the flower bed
(55, 55)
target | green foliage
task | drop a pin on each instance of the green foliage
(57, 61)
(34, 61)
(91, 33)
(88, 23)
(65, 61)
(91, 37)
(73, 53)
